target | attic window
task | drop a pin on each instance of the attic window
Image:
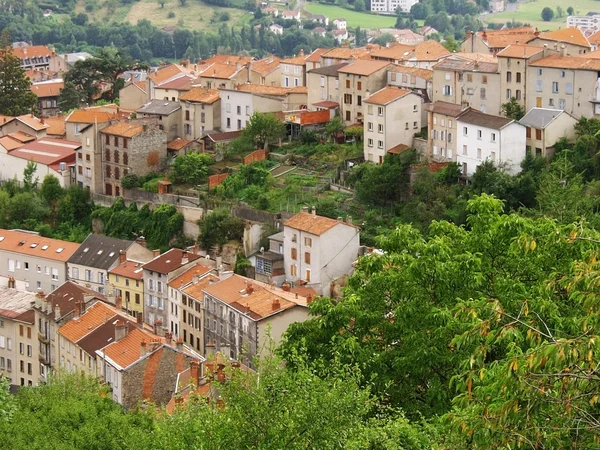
(111, 254)
(59, 249)
(1, 238)
(34, 245)
(44, 247)
(21, 243)
(85, 250)
(100, 252)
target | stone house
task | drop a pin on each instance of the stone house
(201, 110)
(545, 127)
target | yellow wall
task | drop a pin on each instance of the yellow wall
(121, 283)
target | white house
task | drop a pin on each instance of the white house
(291, 15)
(340, 35)
(482, 137)
(318, 250)
(340, 23)
(277, 29)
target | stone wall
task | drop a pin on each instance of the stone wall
(420, 145)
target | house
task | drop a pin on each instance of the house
(569, 41)
(143, 366)
(493, 41)
(18, 338)
(483, 137)
(427, 31)
(47, 93)
(157, 274)
(420, 81)
(545, 127)
(180, 146)
(269, 10)
(497, 6)
(166, 115)
(266, 71)
(392, 6)
(51, 312)
(393, 116)
(318, 250)
(468, 82)
(298, 121)
(358, 80)
(594, 39)
(340, 23)
(243, 316)
(340, 35)
(127, 281)
(323, 84)
(214, 139)
(276, 29)
(127, 147)
(268, 265)
(39, 57)
(319, 18)
(134, 95)
(97, 254)
(162, 74)
(345, 54)
(291, 15)
(223, 75)
(173, 88)
(424, 55)
(201, 111)
(32, 262)
(313, 61)
(293, 70)
(26, 124)
(54, 157)
(319, 31)
(57, 128)
(442, 126)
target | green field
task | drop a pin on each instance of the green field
(531, 13)
(354, 19)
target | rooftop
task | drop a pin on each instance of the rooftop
(278, 91)
(315, 56)
(48, 151)
(180, 83)
(124, 129)
(312, 224)
(199, 94)
(196, 289)
(186, 277)
(265, 66)
(93, 317)
(504, 38)
(364, 67)
(32, 51)
(159, 107)
(33, 122)
(520, 51)
(9, 143)
(99, 251)
(56, 126)
(568, 62)
(426, 74)
(170, 260)
(222, 70)
(129, 269)
(569, 35)
(445, 108)
(465, 65)
(387, 95)
(13, 302)
(67, 294)
(540, 118)
(47, 89)
(32, 244)
(328, 71)
(178, 143)
(90, 115)
(475, 117)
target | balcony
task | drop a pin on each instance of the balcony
(44, 359)
(43, 338)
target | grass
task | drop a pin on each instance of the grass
(353, 18)
(531, 13)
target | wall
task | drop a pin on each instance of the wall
(12, 167)
(30, 275)
(132, 97)
(272, 328)
(420, 145)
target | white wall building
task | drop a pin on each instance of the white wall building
(482, 137)
(587, 24)
(391, 6)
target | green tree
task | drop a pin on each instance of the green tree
(263, 129)
(451, 44)
(29, 182)
(70, 97)
(51, 191)
(191, 168)
(570, 11)
(559, 11)
(547, 14)
(359, 5)
(219, 227)
(334, 127)
(15, 96)
(513, 110)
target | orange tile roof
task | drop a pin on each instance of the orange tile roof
(180, 83)
(34, 245)
(520, 51)
(265, 66)
(9, 143)
(46, 89)
(92, 318)
(316, 225)
(165, 73)
(504, 38)
(124, 129)
(32, 122)
(221, 71)
(398, 149)
(4, 119)
(481, 57)
(297, 60)
(195, 290)
(129, 349)
(259, 303)
(178, 143)
(387, 95)
(430, 50)
(569, 35)
(591, 55)
(279, 91)
(32, 51)
(364, 67)
(143, 85)
(346, 53)
(394, 52)
(22, 137)
(315, 56)
(90, 115)
(186, 277)
(56, 126)
(594, 39)
(426, 74)
(129, 269)
(224, 59)
(198, 94)
(568, 62)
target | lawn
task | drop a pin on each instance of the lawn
(354, 19)
(531, 13)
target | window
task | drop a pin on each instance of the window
(379, 111)
(369, 143)
(379, 144)
(26, 266)
(528, 132)
(478, 153)
(508, 77)
(348, 99)
(247, 113)
(508, 94)
(493, 137)
(239, 110)
(406, 126)
(538, 85)
(562, 73)
(21, 348)
(88, 172)
(239, 124)
(380, 128)
(479, 134)
(370, 126)
(493, 156)
(358, 85)
(469, 77)
(116, 156)
(347, 84)
(447, 90)
(294, 253)
(107, 155)
(518, 94)
(116, 141)
(555, 87)
(569, 88)
(464, 149)
(307, 257)
(11, 265)
(125, 143)
(484, 79)
(539, 72)
(359, 100)
(415, 126)
(518, 77)
(107, 139)
(538, 134)
(108, 172)
(465, 131)
(293, 270)
(264, 266)
(448, 75)
(550, 102)
(88, 275)
(449, 136)
(415, 108)
(307, 278)
(80, 170)
(227, 107)
(561, 103)
(482, 93)
(228, 122)
(370, 110)
(308, 242)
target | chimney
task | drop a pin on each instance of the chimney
(179, 343)
(184, 258)
(340, 219)
(286, 286)
(77, 309)
(537, 32)
(314, 211)
(158, 327)
(56, 312)
(219, 261)
(210, 349)
(195, 278)
(301, 52)
(119, 302)
(309, 299)
(563, 50)
(305, 209)
(122, 256)
(249, 288)
(349, 220)
(143, 349)
(121, 330)
(12, 283)
(276, 304)
(194, 372)
(140, 319)
(168, 337)
(155, 253)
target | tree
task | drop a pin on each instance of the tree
(513, 110)
(451, 44)
(570, 11)
(191, 168)
(334, 127)
(547, 14)
(263, 129)
(29, 183)
(70, 97)
(219, 227)
(162, 3)
(420, 11)
(15, 96)
(182, 2)
(359, 5)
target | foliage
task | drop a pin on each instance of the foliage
(219, 227)
(15, 96)
(191, 168)
(547, 14)
(70, 97)
(242, 264)
(513, 110)
(263, 128)
(334, 127)
(29, 182)
(130, 181)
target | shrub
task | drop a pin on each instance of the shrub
(171, 15)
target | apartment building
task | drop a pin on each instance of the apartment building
(588, 24)
(442, 126)
(268, 265)
(318, 250)
(223, 75)
(201, 111)
(468, 82)
(241, 317)
(127, 280)
(420, 81)
(483, 137)
(266, 71)
(165, 114)
(358, 80)
(569, 41)
(420, 56)
(126, 148)
(565, 82)
(545, 127)
(32, 262)
(323, 84)
(39, 57)
(18, 341)
(47, 93)
(293, 70)
(157, 274)
(393, 116)
(174, 88)
(392, 6)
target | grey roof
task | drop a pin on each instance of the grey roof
(159, 107)
(540, 118)
(72, 58)
(15, 302)
(99, 251)
(329, 71)
(277, 237)
(134, 75)
(475, 117)
(445, 108)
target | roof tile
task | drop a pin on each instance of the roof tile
(387, 95)
(125, 129)
(199, 94)
(316, 225)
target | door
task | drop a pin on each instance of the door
(108, 189)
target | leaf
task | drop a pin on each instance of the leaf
(533, 245)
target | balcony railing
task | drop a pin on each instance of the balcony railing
(43, 338)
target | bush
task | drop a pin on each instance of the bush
(224, 16)
(171, 15)
(191, 168)
(151, 186)
(218, 228)
(131, 181)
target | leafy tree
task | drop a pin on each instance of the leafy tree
(15, 96)
(334, 127)
(359, 5)
(420, 11)
(219, 227)
(191, 168)
(570, 11)
(29, 182)
(162, 3)
(559, 11)
(70, 97)
(384, 39)
(547, 14)
(51, 191)
(513, 110)
(263, 129)
(451, 44)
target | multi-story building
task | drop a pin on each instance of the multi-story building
(165, 114)
(90, 263)
(47, 93)
(266, 71)
(441, 123)
(26, 124)
(34, 263)
(420, 81)
(157, 274)
(172, 89)
(293, 70)
(223, 75)
(358, 80)
(18, 339)
(340, 23)
(318, 250)
(201, 111)
(569, 41)
(588, 24)
(493, 41)
(392, 6)
(126, 148)
(268, 265)
(241, 317)
(483, 137)
(323, 84)
(39, 57)
(422, 56)
(392, 118)
(468, 82)
(128, 283)
(134, 95)
(545, 127)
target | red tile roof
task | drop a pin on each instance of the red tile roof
(520, 51)
(200, 95)
(92, 318)
(56, 126)
(187, 276)
(364, 67)
(9, 143)
(32, 244)
(129, 269)
(569, 35)
(91, 115)
(125, 129)
(316, 225)
(387, 95)
(170, 260)
(33, 122)
(32, 51)
(178, 143)
(265, 66)
(182, 83)
(46, 89)
(327, 104)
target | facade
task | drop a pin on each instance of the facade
(442, 126)
(318, 250)
(392, 6)
(127, 148)
(483, 137)
(34, 263)
(545, 127)
(39, 57)
(588, 24)
(165, 114)
(201, 110)
(323, 84)
(172, 89)
(265, 71)
(47, 93)
(18, 340)
(27, 124)
(157, 274)
(134, 95)
(268, 265)
(340, 23)
(223, 75)
(420, 81)
(493, 41)
(393, 116)
(357, 81)
(126, 279)
(293, 70)
(569, 41)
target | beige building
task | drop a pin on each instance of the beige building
(392, 118)
(265, 71)
(358, 80)
(493, 41)
(421, 56)
(18, 339)
(293, 70)
(442, 126)
(201, 110)
(134, 95)
(545, 127)
(166, 114)
(172, 89)
(569, 41)
(223, 75)
(323, 84)
(468, 82)
(27, 124)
